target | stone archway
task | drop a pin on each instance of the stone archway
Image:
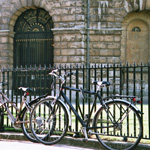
(135, 38)
(33, 40)
(137, 42)
(16, 10)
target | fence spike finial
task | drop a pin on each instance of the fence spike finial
(141, 63)
(44, 66)
(127, 63)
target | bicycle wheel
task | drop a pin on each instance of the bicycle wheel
(25, 117)
(126, 130)
(26, 126)
(45, 128)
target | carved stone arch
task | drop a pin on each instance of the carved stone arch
(33, 40)
(22, 5)
(16, 10)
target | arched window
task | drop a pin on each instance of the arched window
(136, 29)
(33, 42)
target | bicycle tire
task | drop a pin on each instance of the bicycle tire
(25, 115)
(45, 128)
(121, 136)
(26, 126)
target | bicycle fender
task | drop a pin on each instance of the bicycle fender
(117, 100)
(125, 101)
(50, 97)
(120, 100)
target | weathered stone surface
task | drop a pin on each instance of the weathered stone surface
(68, 52)
(68, 38)
(57, 52)
(3, 40)
(60, 59)
(107, 41)
(76, 59)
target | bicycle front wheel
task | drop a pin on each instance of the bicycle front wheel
(49, 125)
(119, 126)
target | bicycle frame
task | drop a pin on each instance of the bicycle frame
(4, 100)
(74, 110)
(102, 103)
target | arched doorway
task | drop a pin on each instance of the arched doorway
(135, 45)
(33, 40)
(33, 46)
(137, 42)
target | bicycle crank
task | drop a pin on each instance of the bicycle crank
(93, 133)
(85, 134)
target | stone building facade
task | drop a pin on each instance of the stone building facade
(84, 31)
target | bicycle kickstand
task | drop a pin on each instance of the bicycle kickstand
(85, 134)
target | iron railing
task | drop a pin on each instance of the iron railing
(125, 79)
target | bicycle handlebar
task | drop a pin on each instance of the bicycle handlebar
(53, 73)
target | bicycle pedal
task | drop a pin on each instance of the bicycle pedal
(85, 140)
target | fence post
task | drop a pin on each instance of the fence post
(1, 120)
(1, 109)
(77, 103)
(149, 96)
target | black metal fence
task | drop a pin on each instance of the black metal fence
(125, 79)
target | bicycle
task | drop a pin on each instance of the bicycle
(21, 120)
(110, 123)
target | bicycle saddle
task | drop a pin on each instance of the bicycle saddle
(102, 83)
(25, 89)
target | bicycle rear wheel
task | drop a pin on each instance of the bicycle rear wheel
(126, 130)
(49, 125)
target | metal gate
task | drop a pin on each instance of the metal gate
(33, 49)
(33, 41)
(33, 45)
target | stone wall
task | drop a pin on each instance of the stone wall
(70, 28)
(69, 46)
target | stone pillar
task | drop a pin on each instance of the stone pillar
(69, 46)
(69, 32)
(6, 48)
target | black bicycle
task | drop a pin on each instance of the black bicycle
(116, 123)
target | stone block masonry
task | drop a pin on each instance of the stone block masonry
(70, 28)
